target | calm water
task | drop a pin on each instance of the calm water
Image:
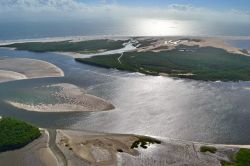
(160, 106)
(132, 27)
(243, 44)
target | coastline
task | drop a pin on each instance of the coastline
(212, 41)
(72, 147)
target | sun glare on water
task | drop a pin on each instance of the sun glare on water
(158, 27)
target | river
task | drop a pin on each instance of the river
(214, 112)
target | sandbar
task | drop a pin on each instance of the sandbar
(71, 98)
(24, 68)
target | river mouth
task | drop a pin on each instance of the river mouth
(214, 112)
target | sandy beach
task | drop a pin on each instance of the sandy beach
(89, 148)
(70, 99)
(75, 148)
(24, 68)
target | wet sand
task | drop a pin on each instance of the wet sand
(75, 148)
(93, 148)
(24, 68)
(6, 76)
(70, 99)
(89, 148)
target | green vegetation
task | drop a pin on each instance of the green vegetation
(210, 149)
(242, 158)
(199, 63)
(15, 134)
(144, 142)
(68, 46)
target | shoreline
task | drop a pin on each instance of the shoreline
(37, 151)
(90, 37)
(162, 43)
(106, 148)
(12, 69)
(73, 147)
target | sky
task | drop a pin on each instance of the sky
(214, 4)
(173, 15)
(163, 9)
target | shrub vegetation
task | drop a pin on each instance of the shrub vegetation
(15, 134)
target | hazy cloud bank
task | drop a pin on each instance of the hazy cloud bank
(72, 9)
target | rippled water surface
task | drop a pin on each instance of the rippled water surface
(160, 106)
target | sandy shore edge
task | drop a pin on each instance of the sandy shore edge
(24, 68)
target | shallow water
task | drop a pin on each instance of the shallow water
(213, 112)
(242, 44)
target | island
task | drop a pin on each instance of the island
(206, 59)
(86, 46)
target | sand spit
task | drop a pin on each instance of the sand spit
(66, 98)
(36, 153)
(88, 148)
(24, 68)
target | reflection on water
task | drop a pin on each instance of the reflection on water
(158, 27)
(201, 111)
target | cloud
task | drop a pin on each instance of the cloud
(110, 9)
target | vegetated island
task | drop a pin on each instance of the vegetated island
(82, 47)
(193, 62)
(16, 134)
